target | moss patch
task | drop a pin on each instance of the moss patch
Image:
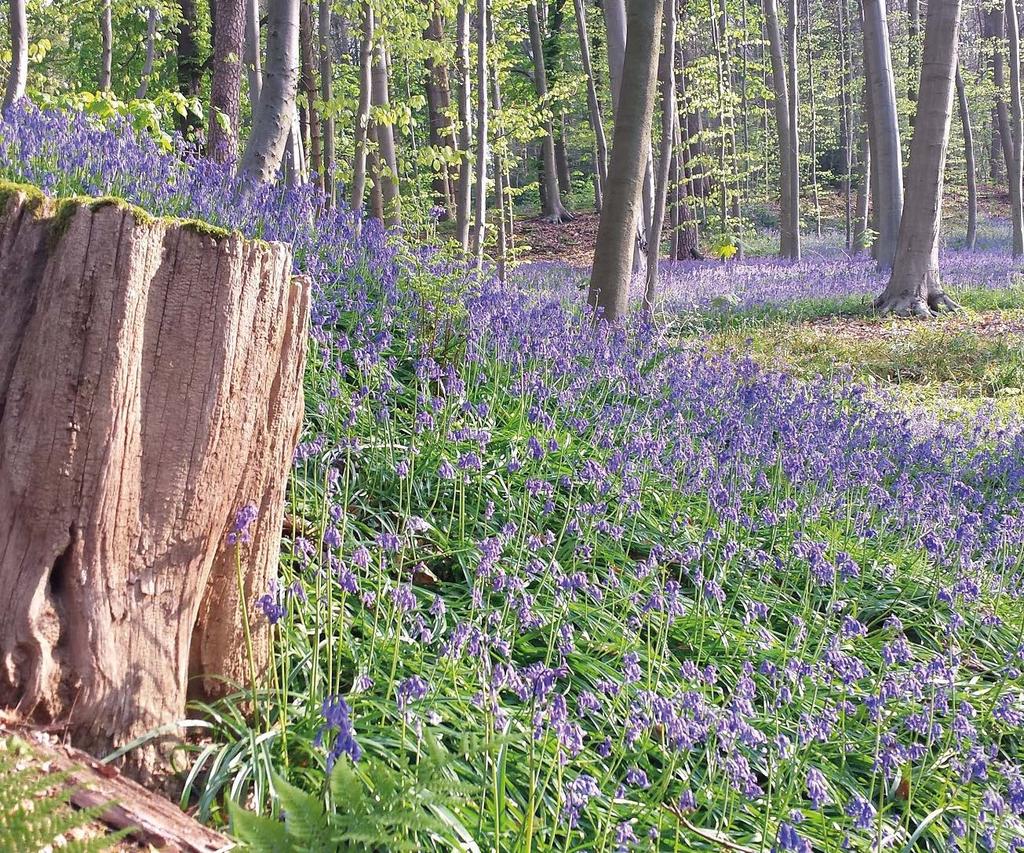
(197, 226)
(9, 189)
(64, 210)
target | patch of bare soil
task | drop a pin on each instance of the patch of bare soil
(571, 243)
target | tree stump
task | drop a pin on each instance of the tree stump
(150, 386)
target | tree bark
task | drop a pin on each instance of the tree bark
(1016, 166)
(860, 222)
(152, 19)
(615, 32)
(326, 95)
(995, 29)
(482, 156)
(887, 158)
(915, 288)
(251, 54)
(310, 90)
(17, 76)
(609, 281)
(464, 185)
(226, 86)
(789, 216)
(275, 116)
(385, 132)
(667, 73)
(593, 104)
(107, 46)
(972, 169)
(150, 387)
(793, 149)
(438, 104)
(190, 67)
(553, 209)
(362, 127)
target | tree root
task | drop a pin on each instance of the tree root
(559, 217)
(916, 305)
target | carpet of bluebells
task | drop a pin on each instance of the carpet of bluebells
(634, 596)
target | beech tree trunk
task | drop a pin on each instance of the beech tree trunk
(152, 19)
(464, 185)
(326, 95)
(438, 104)
(552, 208)
(251, 53)
(276, 113)
(387, 158)
(615, 32)
(1015, 169)
(969, 158)
(362, 128)
(107, 46)
(915, 288)
(995, 29)
(150, 387)
(887, 156)
(310, 90)
(631, 145)
(190, 66)
(482, 156)
(593, 104)
(789, 216)
(17, 76)
(226, 85)
(667, 72)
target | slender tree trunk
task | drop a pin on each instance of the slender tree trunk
(326, 95)
(310, 90)
(386, 138)
(888, 156)
(464, 187)
(226, 86)
(1016, 130)
(17, 76)
(609, 281)
(789, 245)
(846, 121)
(482, 156)
(152, 19)
(668, 123)
(997, 26)
(793, 149)
(251, 54)
(860, 223)
(687, 246)
(500, 182)
(107, 47)
(275, 116)
(553, 210)
(593, 104)
(362, 113)
(812, 97)
(972, 169)
(915, 287)
(190, 67)
(438, 105)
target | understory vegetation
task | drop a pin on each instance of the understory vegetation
(552, 586)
